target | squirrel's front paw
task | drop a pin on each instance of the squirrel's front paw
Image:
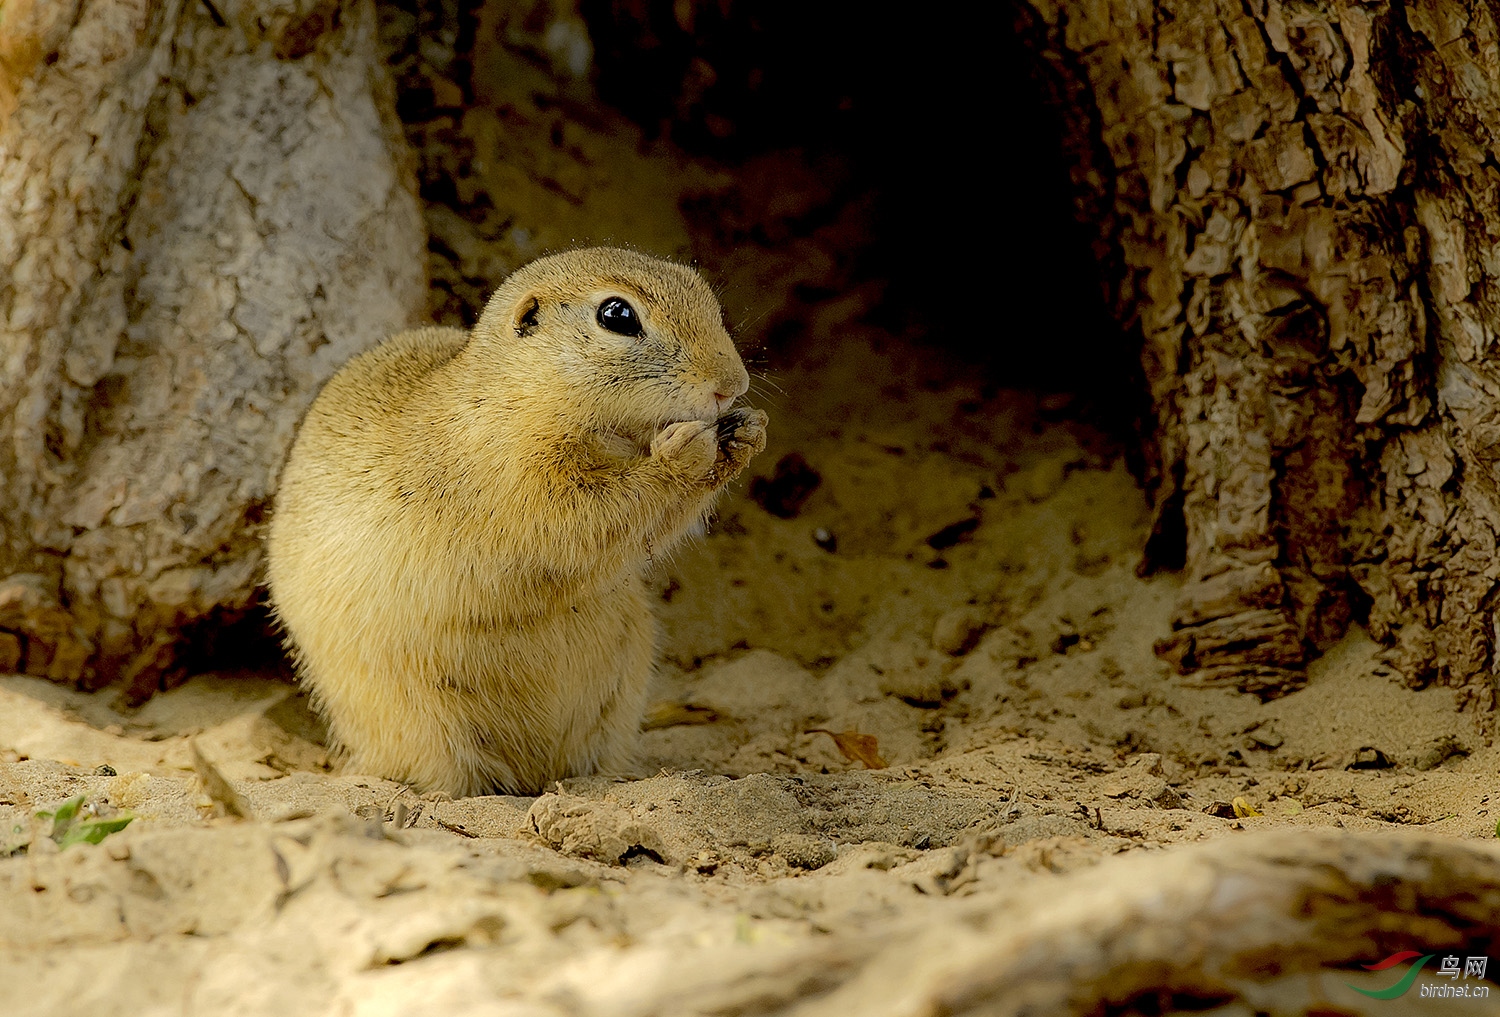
(690, 446)
(742, 433)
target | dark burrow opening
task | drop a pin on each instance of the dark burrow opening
(927, 159)
(972, 221)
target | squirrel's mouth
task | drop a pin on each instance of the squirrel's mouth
(669, 421)
(707, 414)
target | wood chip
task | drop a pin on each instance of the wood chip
(856, 747)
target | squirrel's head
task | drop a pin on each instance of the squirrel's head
(630, 342)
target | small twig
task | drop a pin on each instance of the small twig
(454, 829)
(218, 789)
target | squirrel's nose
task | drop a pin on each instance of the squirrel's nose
(731, 386)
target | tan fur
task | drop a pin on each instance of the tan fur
(457, 545)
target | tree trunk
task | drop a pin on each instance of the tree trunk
(204, 210)
(1302, 210)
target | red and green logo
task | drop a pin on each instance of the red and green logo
(1404, 984)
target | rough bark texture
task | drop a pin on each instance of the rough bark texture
(204, 210)
(1302, 203)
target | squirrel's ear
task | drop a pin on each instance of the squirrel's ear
(527, 311)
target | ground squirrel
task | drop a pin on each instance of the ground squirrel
(457, 544)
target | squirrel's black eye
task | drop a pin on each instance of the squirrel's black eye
(619, 317)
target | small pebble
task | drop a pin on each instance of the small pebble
(953, 534)
(802, 851)
(1440, 752)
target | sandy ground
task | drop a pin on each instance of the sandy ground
(961, 586)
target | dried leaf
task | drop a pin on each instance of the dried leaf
(677, 714)
(1243, 809)
(229, 801)
(856, 747)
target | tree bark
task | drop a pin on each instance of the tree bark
(205, 208)
(1302, 210)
